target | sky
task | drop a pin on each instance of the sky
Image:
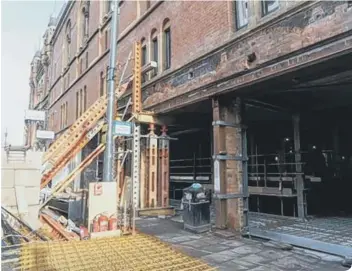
(23, 23)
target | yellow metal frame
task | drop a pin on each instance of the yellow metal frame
(132, 252)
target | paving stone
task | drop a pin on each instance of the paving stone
(274, 254)
(180, 239)
(231, 266)
(246, 264)
(244, 250)
(224, 234)
(278, 245)
(214, 248)
(266, 268)
(232, 243)
(211, 240)
(255, 258)
(192, 251)
(220, 257)
(291, 263)
(307, 258)
(195, 243)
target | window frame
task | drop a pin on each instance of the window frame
(264, 7)
(77, 104)
(167, 48)
(237, 13)
(155, 54)
(87, 60)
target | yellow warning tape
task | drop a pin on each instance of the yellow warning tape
(133, 252)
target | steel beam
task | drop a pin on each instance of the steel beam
(299, 179)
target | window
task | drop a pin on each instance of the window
(155, 51)
(84, 99)
(66, 115)
(167, 48)
(85, 22)
(269, 6)
(101, 84)
(148, 4)
(63, 115)
(241, 13)
(108, 6)
(80, 102)
(143, 58)
(68, 42)
(167, 44)
(106, 39)
(80, 66)
(87, 60)
(77, 105)
(144, 55)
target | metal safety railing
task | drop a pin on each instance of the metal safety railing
(184, 172)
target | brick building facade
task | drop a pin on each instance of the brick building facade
(208, 44)
(203, 49)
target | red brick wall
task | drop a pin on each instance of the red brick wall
(197, 28)
(291, 33)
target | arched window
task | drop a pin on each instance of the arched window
(144, 56)
(80, 102)
(154, 50)
(87, 60)
(77, 105)
(108, 6)
(85, 21)
(101, 83)
(84, 99)
(68, 41)
(166, 44)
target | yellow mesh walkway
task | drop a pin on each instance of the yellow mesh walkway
(138, 252)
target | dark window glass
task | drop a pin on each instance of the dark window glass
(167, 33)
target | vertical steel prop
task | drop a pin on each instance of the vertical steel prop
(152, 157)
(164, 167)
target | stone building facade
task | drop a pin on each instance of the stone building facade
(203, 49)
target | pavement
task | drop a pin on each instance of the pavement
(237, 253)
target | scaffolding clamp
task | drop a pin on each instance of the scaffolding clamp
(223, 123)
(230, 157)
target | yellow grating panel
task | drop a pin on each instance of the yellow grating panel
(127, 253)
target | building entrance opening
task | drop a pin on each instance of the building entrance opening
(300, 159)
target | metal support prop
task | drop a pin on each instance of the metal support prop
(164, 168)
(143, 188)
(299, 177)
(137, 83)
(152, 153)
(136, 147)
(108, 155)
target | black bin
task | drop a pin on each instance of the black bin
(196, 208)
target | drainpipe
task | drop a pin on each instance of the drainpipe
(110, 112)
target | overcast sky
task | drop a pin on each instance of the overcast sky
(22, 25)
